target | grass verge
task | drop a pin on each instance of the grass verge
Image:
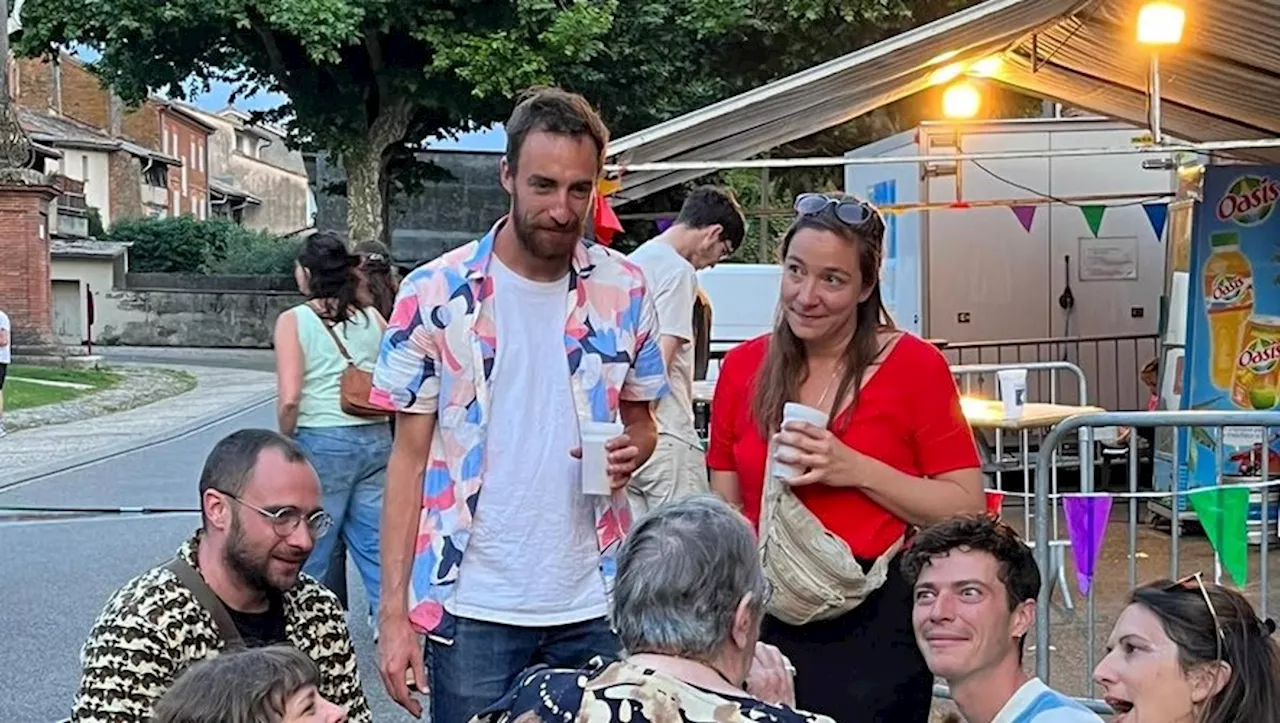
(23, 390)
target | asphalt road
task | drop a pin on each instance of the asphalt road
(56, 574)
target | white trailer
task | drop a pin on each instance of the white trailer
(975, 274)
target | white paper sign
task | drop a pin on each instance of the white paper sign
(1109, 259)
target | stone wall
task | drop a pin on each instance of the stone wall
(124, 178)
(83, 97)
(180, 317)
(35, 88)
(142, 126)
(447, 214)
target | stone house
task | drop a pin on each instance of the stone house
(181, 133)
(255, 179)
(151, 160)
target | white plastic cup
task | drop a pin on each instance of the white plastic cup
(1013, 391)
(793, 412)
(595, 458)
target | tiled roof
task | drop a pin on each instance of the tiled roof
(54, 130)
(58, 130)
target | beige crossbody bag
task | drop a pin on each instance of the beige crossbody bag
(813, 573)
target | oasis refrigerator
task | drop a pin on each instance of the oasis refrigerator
(1222, 341)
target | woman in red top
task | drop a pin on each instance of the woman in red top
(897, 453)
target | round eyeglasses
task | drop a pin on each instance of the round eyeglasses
(285, 520)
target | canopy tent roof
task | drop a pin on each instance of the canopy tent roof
(1222, 82)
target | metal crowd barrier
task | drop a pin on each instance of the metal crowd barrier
(1085, 424)
(966, 375)
(1112, 364)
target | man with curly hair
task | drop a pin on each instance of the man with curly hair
(975, 583)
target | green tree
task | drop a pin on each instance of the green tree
(363, 77)
(369, 80)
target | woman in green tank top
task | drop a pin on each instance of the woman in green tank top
(349, 453)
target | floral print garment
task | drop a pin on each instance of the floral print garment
(436, 358)
(620, 692)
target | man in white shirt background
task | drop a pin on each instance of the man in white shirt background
(710, 227)
(5, 358)
(975, 584)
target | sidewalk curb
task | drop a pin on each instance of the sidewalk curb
(9, 482)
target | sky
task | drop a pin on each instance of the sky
(489, 139)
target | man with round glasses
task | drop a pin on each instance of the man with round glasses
(237, 582)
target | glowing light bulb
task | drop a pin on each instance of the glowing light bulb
(961, 100)
(1161, 23)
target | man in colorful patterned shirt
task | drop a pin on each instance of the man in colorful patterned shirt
(495, 355)
(975, 587)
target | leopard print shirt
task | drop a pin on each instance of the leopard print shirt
(153, 628)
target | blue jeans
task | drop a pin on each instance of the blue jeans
(485, 659)
(352, 465)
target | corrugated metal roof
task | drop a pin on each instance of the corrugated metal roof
(831, 93)
(1222, 82)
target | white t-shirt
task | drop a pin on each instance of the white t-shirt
(671, 282)
(1036, 702)
(7, 346)
(533, 559)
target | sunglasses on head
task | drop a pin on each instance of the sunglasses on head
(850, 211)
(1198, 579)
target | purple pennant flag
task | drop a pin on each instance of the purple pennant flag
(1086, 526)
(1026, 215)
(664, 224)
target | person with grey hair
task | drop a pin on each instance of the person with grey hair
(687, 607)
(276, 684)
(236, 583)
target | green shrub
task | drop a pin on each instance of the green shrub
(258, 254)
(184, 245)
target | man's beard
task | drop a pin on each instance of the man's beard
(534, 240)
(241, 560)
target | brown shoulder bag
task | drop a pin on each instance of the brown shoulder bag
(355, 384)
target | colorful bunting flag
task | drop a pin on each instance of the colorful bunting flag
(1224, 515)
(1157, 214)
(605, 220)
(664, 224)
(995, 503)
(608, 186)
(1026, 215)
(1087, 519)
(1093, 217)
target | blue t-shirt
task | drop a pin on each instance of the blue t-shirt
(1035, 702)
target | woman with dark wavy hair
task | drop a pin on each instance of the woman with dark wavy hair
(378, 279)
(314, 341)
(1190, 652)
(896, 453)
(379, 283)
